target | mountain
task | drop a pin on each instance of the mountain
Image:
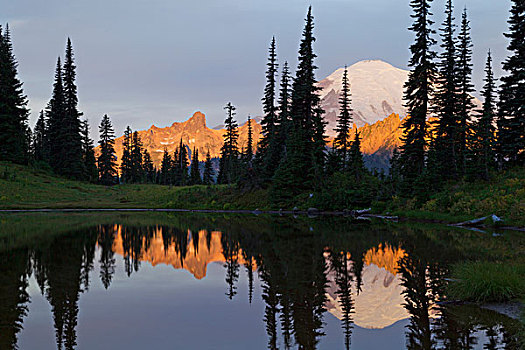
(376, 88)
(378, 140)
(378, 305)
(193, 132)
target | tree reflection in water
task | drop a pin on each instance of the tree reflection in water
(298, 264)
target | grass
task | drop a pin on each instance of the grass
(503, 195)
(23, 187)
(488, 282)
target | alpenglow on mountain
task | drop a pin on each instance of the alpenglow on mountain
(376, 88)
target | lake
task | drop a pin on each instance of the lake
(207, 281)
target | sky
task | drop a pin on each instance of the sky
(147, 62)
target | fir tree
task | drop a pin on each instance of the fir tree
(445, 148)
(126, 162)
(88, 154)
(207, 177)
(137, 173)
(466, 88)
(195, 175)
(305, 149)
(13, 105)
(229, 162)
(183, 164)
(283, 117)
(356, 165)
(166, 168)
(72, 162)
(148, 168)
(56, 117)
(40, 139)
(268, 152)
(482, 140)
(344, 122)
(418, 92)
(249, 143)
(511, 114)
(107, 167)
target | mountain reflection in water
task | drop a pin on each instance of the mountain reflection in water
(367, 276)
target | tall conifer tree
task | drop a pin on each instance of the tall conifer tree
(249, 143)
(511, 114)
(148, 168)
(344, 122)
(195, 174)
(482, 142)
(283, 116)
(466, 89)
(126, 162)
(73, 164)
(88, 154)
(305, 149)
(40, 139)
(107, 160)
(56, 116)
(268, 150)
(137, 170)
(229, 162)
(13, 105)
(183, 164)
(207, 177)
(166, 168)
(445, 146)
(418, 92)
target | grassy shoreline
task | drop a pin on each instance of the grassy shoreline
(23, 187)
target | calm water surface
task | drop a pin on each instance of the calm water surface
(178, 281)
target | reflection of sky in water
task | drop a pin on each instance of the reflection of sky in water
(165, 308)
(162, 308)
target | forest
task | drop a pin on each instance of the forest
(446, 141)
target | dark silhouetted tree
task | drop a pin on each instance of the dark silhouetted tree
(418, 92)
(195, 174)
(229, 162)
(208, 174)
(511, 113)
(107, 160)
(88, 154)
(13, 111)
(344, 122)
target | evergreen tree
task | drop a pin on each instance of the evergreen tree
(446, 148)
(107, 160)
(40, 139)
(418, 92)
(283, 117)
(229, 162)
(344, 122)
(466, 89)
(305, 149)
(13, 105)
(72, 162)
(137, 173)
(356, 165)
(249, 143)
(166, 168)
(207, 177)
(268, 152)
(88, 154)
(511, 114)
(183, 164)
(56, 118)
(482, 138)
(148, 168)
(195, 175)
(126, 162)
